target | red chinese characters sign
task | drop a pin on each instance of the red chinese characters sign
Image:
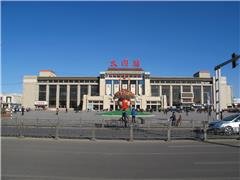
(125, 63)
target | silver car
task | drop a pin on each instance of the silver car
(229, 125)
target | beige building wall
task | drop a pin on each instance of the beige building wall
(147, 87)
(226, 94)
(30, 91)
(102, 85)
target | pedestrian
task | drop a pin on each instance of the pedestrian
(57, 110)
(179, 120)
(133, 113)
(173, 119)
(66, 110)
(22, 110)
(210, 112)
(124, 118)
(221, 115)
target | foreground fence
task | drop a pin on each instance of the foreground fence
(108, 129)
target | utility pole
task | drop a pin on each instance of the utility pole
(217, 69)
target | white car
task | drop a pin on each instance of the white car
(229, 125)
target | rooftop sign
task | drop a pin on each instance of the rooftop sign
(125, 63)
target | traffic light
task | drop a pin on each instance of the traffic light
(234, 60)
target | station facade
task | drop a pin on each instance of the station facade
(96, 93)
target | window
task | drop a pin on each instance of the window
(73, 96)
(176, 94)
(207, 94)
(52, 95)
(83, 90)
(63, 96)
(155, 90)
(186, 88)
(197, 94)
(166, 91)
(94, 90)
(42, 93)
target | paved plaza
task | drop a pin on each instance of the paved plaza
(74, 118)
(92, 125)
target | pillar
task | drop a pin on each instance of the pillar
(68, 96)
(57, 95)
(47, 94)
(78, 94)
(170, 97)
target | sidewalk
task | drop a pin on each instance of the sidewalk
(227, 142)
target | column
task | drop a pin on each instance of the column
(114, 103)
(89, 90)
(181, 90)
(47, 94)
(160, 90)
(192, 92)
(112, 88)
(214, 93)
(129, 87)
(78, 94)
(57, 95)
(68, 96)
(170, 97)
(202, 97)
(136, 90)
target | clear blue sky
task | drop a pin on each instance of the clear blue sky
(81, 38)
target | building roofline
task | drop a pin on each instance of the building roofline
(180, 78)
(67, 78)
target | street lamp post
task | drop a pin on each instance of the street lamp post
(217, 69)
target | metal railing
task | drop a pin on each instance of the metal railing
(108, 129)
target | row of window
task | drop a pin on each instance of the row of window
(124, 76)
(63, 94)
(178, 82)
(186, 93)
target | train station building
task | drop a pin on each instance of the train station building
(47, 90)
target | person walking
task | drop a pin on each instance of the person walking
(173, 119)
(179, 120)
(124, 118)
(133, 113)
(57, 110)
(22, 110)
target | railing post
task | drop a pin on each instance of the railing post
(239, 132)
(21, 128)
(103, 123)
(37, 123)
(131, 133)
(57, 129)
(80, 122)
(169, 131)
(93, 134)
(204, 131)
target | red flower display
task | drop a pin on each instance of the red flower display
(124, 94)
(124, 97)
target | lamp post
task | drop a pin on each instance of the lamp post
(217, 69)
(208, 103)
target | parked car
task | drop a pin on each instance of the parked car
(228, 125)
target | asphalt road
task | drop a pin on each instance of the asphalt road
(47, 159)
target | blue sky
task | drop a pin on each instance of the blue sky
(81, 38)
